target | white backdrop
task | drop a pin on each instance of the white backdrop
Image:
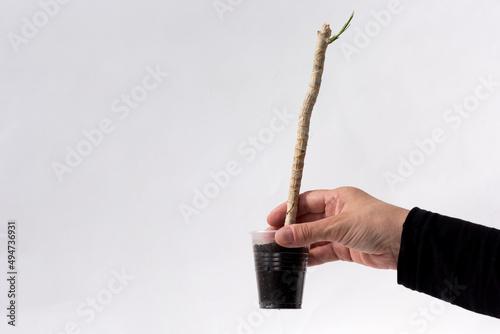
(142, 140)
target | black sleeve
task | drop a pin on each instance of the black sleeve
(451, 259)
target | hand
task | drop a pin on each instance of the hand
(343, 224)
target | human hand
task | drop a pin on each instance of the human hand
(343, 224)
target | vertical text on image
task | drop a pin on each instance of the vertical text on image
(12, 272)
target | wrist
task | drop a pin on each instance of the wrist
(398, 218)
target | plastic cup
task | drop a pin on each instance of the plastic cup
(280, 272)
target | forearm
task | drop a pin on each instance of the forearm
(451, 259)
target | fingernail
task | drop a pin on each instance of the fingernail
(285, 236)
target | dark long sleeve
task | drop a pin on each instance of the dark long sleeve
(451, 259)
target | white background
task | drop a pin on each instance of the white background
(229, 73)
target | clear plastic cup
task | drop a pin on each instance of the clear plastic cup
(280, 272)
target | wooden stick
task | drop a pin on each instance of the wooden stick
(324, 40)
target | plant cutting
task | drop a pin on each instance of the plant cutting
(280, 270)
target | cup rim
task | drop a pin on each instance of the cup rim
(263, 232)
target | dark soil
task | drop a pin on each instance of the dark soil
(280, 275)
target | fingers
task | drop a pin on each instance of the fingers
(309, 202)
(277, 216)
(310, 217)
(328, 252)
(312, 202)
(299, 235)
(321, 254)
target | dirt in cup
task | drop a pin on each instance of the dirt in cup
(280, 275)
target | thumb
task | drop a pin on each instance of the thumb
(304, 234)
